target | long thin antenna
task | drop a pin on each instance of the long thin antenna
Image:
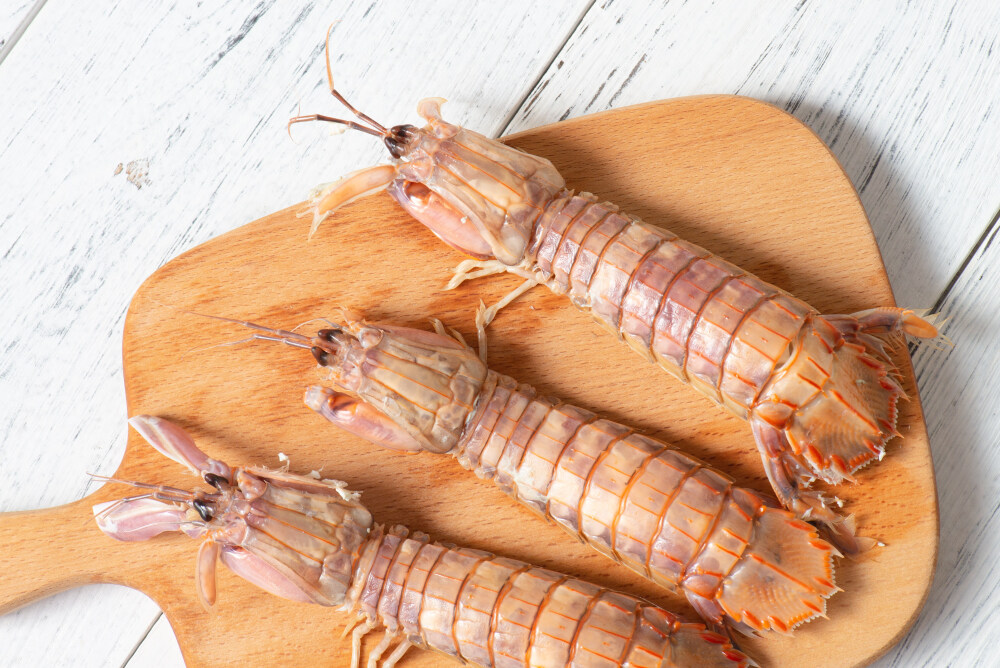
(376, 129)
(182, 494)
(283, 335)
(329, 119)
(333, 91)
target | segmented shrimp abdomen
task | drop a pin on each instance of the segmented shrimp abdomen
(818, 390)
(648, 506)
(491, 611)
(621, 492)
(699, 317)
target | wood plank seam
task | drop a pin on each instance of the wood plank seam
(542, 71)
(981, 246)
(7, 46)
(142, 639)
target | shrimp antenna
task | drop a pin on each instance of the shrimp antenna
(376, 129)
(160, 492)
(293, 339)
(320, 117)
(341, 98)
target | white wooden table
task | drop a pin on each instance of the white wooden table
(191, 98)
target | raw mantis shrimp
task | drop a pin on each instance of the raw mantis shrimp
(819, 391)
(740, 560)
(311, 541)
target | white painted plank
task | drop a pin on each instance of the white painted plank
(159, 648)
(46, 633)
(195, 96)
(905, 94)
(12, 14)
(959, 625)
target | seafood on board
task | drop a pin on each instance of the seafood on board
(818, 390)
(312, 541)
(740, 560)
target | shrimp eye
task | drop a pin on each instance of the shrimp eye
(215, 480)
(321, 355)
(204, 510)
(328, 334)
(398, 138)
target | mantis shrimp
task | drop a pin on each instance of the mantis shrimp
(740, 560)
(311, 541)
(819, 390)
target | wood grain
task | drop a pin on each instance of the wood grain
(731, 174)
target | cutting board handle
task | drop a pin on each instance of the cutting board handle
(53, 549)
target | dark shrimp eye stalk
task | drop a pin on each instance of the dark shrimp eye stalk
(326, 344)
(205, 511)
(215, 481)
(322, 356)
(398, 138)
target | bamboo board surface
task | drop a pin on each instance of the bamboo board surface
(739, 177)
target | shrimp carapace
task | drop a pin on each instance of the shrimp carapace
(311, 541)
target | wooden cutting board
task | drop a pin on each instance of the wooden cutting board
(737, 176)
